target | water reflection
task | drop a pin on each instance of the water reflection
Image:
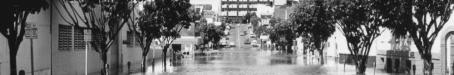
(244, 62)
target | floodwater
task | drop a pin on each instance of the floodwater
(250, 61)
(247, 60)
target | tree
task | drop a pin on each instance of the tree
(283, 35)
(14, 18)
(211, 33)
(105, 19)
(146, 29)
(316, 22)
(248, 16)
(251, 18)
(172, 16)
(421, 20)
(361, 26)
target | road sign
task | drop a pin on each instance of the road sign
(87, 35)
(30, 31)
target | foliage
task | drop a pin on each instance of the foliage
(211, 33)
(146, 29)
(14, 18)
(283, 34)
(251, 18)
(172, 16)
(360, 25)
(316, 22)
(261, 30)
(421, 20)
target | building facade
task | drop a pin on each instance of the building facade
(235, 10)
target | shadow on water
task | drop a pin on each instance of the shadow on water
(282, 61)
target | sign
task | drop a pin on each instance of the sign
(30, 31)
(87, 35)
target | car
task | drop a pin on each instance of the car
(253, 36)
(232, 44)
(254, 43)
(247, 41)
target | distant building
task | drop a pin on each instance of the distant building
(283, 10)
(235, 10)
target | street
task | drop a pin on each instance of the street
(247, 60)
(253, 61)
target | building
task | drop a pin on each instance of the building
(235, 10)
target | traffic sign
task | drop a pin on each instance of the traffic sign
(87, 35)
(30, 31)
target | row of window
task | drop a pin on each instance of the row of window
(233, 13)
(72, 38)
(238, 6)
(66, 39)
(248, 0)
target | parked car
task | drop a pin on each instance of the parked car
(254, 43)
(253, 36)
(247, 41)
(232, 44)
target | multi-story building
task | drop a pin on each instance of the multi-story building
(235, 10)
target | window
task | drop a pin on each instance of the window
(224, 13)
(251, 6)
(242, 13)
(232, 13)
(129, 39)
(64, 37)
(252, 0)
(69, 37)
(225, 6)
(233, 6)
(243, 6)
(79, 42)
(243, 0)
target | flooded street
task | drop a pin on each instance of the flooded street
(242, 61)
(247, 60)
(251, 61)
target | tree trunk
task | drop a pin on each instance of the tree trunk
(361, 68)
(104, 62)
(361, 64)
(428, 66)
(13, 66)
(322, 58)
(289, 49)
(144, 63)
(165, 57)
(12, 56)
